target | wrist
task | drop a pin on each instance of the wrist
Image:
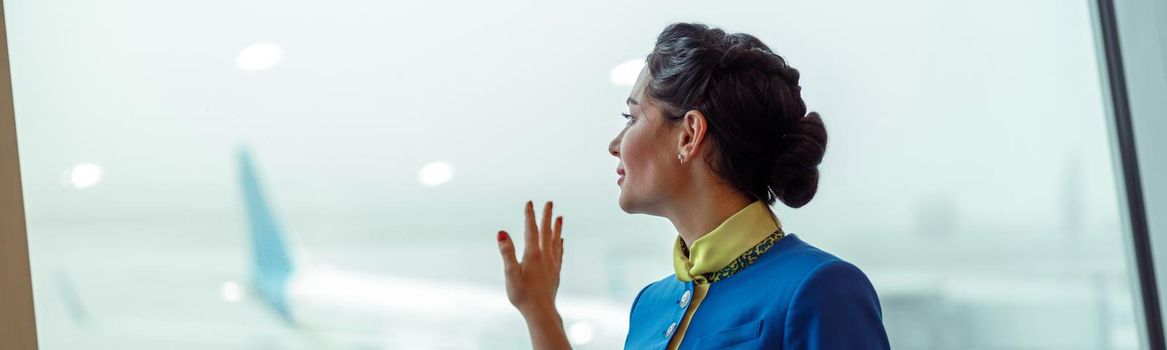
(546, 328)
(541, 315)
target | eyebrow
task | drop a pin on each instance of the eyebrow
(632, 102)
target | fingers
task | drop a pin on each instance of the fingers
(542, 238)
(509, 263)
(557, 231)
(557, 238)
(531, 233)
(545, 242)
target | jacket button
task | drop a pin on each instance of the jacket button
(685, 299)
(672, 328)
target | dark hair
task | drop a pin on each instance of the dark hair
(766, 145)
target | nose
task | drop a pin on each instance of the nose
(614, 146)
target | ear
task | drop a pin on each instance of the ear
(692, 134)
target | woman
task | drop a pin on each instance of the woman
(731, 111)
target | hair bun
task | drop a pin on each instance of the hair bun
(795, 174)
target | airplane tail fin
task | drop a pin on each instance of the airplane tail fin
(272, 264)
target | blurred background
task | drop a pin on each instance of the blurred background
(272, 175)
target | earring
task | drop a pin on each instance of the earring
(680, 157)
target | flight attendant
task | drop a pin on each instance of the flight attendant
(717, 132)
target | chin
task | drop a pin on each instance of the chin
(622, 201)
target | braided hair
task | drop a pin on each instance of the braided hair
(767, 145)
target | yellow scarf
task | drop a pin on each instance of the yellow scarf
(712, 252)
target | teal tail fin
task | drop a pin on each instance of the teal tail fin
(272, 263)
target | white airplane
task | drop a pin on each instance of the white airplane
(362, 310)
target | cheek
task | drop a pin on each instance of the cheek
(638, 154)
(632, 150)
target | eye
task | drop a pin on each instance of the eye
(628, 116)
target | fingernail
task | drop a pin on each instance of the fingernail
(530, 204)
(502, 236)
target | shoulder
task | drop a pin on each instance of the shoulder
(788, 265)
(794, 276)
(822, 270)
(833, 305)
(834, 279)
(810, 272)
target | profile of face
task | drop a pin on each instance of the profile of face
(647, 149)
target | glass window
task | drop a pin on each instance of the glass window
(265, 174)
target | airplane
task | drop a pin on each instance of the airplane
(362, 310)
(931, 298)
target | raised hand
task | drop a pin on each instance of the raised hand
(532, 283)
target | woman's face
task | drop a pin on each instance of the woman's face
(647, 153)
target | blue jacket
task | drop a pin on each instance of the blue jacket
(794, 296)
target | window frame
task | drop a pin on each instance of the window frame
(1128, 40)
(18, 319)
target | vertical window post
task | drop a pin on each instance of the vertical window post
(1123, 97)
(17, 322)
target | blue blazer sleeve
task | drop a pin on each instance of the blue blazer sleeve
(835, 307)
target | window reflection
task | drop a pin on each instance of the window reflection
(968, 172)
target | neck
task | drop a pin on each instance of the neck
(704, 211)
